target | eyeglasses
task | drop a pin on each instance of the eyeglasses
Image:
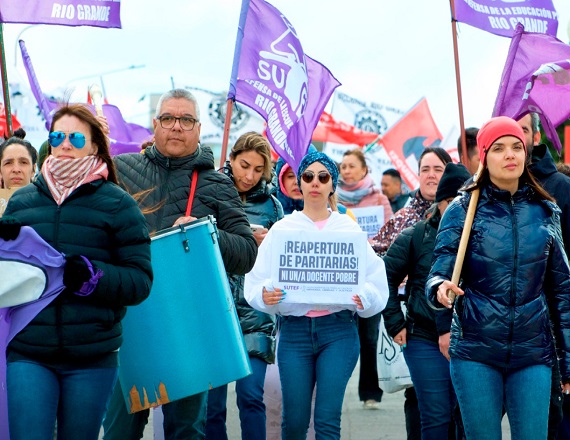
(309, 176)
(186, 123)
(56, 138)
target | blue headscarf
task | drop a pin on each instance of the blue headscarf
(317, 156)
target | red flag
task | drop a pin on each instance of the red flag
(406, 140)
(4, 126)
(330, 130)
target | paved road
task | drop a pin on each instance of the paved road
(357, 423)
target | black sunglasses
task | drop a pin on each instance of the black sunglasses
(309, 176)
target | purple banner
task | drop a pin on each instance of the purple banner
(272, 75)
(28, 250)
(536, 78)
(98, 13)
(124, 137)
(500, 17)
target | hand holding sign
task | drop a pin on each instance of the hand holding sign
(273, 295)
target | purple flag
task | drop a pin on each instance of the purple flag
(536, 78)
(124, 137)
(272, 75)
(98, 13)
(38, 270)
(501, 18)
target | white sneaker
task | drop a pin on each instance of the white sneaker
(371, 404)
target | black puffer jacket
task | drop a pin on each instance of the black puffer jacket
(103, 223)
(258, 328)
(169, 182)
(410, 255)
(515, 268)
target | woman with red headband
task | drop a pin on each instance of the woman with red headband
(512, 301)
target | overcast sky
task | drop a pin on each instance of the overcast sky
(388, 51)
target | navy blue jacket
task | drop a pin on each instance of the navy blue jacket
(555, 183)
(515, 272)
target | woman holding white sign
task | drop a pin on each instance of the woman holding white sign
(318, 342)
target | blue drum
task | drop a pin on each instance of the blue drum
(186, 337)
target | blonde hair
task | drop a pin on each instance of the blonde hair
(252, 141)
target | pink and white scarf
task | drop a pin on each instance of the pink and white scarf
(63, 176)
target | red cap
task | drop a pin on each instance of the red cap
(494, 129)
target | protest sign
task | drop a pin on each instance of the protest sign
(327, 270)
(370, 219)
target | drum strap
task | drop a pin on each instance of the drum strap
(193, 182)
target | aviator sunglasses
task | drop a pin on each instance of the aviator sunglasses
(309, 176)
(56, 138)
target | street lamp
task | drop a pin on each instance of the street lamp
(102, 74)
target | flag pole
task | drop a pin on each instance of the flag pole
(458, 83)
(469, 216)
(5, 89)
(227, 124)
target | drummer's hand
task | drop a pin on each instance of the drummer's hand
(356, 299)
(566, 388)
(442, 293)
(103, 121)
(273, 297)
(182, 220)
(259, 235)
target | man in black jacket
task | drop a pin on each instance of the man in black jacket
(162, 176)
(542, 166)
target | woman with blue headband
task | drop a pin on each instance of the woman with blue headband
(318, 342)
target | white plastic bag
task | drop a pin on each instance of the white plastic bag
(393, 373)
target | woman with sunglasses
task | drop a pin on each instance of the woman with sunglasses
(17, 161)
(64, 363)
(250, 169)
(318, 345)
(512, 305)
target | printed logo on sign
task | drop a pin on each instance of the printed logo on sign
(370, 120)
(217, 112)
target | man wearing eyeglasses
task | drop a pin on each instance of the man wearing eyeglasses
(163, 173)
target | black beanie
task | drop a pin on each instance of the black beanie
(453, 178)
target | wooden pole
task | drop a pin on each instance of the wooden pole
(458, 84)
(226, 137)
(5, 88)
(455, 277)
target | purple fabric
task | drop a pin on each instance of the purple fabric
(98, 13)
(89, 286)
(29, 248)
(536, 78)
(272, 75)
(124, 137)
(501, 18)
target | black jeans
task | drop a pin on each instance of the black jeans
(368, 332)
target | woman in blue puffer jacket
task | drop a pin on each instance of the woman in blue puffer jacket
(513, 302)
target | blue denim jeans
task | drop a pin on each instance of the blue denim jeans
(184, 419)
(249, 396)
(38, 395)
(429, 370)
(315, 351)
(482, 389)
